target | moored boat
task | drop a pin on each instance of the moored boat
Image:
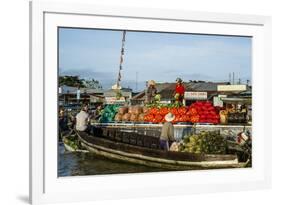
(139, 149)
(71, 144)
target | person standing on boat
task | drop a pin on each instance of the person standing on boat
(151, 92)
(179, 91)
(167, 132)
(82, 119)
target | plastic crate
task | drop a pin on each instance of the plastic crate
(133, 138)
(118, 136)
(111, 134)
(140, 140)
(126, 137)
(155, 142)
(104, 132)
(147, 141)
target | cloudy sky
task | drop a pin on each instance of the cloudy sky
(91, 53)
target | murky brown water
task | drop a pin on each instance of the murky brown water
(79, 164)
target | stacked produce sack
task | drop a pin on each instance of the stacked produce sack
(206, 142)
(130, 113)
(108, 113)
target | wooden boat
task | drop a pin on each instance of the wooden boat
(133, 148)
(68, 142)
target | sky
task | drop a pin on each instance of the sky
(93, 53)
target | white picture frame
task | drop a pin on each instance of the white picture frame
(46, 187)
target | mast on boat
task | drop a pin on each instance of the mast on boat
(117, 86)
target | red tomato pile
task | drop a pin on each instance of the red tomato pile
(156, 115)
(205, 112)
(198, 112)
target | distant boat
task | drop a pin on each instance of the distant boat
(141, 149)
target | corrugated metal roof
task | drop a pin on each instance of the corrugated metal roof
(139, 96)
(73, 90)
(91, 90)
(112, 92)
(166, 90)
(204, 86)
(68, 89)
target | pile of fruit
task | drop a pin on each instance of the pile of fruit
(203, 112)
(206, 142)
(198, 112)
(130, 113)
(72, 142)
(108, 113)
(157, 114)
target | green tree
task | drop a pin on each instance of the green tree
(95, 84)
(73, 81)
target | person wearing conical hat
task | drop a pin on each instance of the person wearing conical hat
(151, 91)
(167, 132)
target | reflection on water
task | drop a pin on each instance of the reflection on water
(79, 164)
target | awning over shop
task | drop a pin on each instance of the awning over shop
(237, 100)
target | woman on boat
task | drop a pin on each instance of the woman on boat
(167, 132)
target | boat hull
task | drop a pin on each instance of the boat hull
(156, 158)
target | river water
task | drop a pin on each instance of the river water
(79, 164)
